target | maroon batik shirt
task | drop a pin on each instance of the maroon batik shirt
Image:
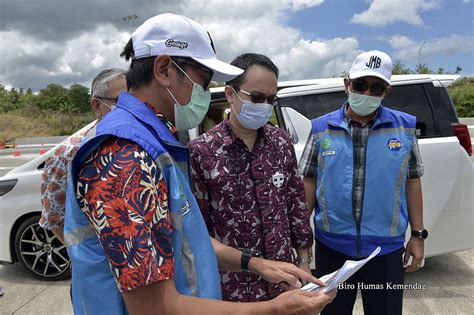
(251, 199)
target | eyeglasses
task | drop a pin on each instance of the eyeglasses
(361, 85)
(258, 97)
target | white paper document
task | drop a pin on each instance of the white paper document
(332, 280)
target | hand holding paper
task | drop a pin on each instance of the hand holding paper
(332, 280)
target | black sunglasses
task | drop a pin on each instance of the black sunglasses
(377, 88)
(258, 97)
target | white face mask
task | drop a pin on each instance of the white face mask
(253, 115)
(111, 107)
(364, 105)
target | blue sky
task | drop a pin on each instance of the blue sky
(66, 42)
(333, 18)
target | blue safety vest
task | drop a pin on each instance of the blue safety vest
(195, 264)
(383, 220)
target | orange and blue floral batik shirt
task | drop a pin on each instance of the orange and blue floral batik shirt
(125, 198)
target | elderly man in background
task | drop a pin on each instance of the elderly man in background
(105, 90)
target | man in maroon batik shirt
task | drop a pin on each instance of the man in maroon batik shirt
(245, 179)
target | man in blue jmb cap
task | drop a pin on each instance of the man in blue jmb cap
(362, 170)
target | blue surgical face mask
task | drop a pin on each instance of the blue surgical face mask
(363, 105)
(190, 115)
(253, 115)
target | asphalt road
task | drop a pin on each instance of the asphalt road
(448, 280)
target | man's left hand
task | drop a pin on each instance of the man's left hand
(416, 249)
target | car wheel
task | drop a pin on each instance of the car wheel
(41, 252)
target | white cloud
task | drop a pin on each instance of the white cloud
(408, 49)
(314, 59)
(32, 63)
(261, 30)
(385, 12)
(236, 27)
(303, 4)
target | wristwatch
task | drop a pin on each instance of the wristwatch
(423, 234)
(246, 255)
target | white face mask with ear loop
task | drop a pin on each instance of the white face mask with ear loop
(253, 115)
(111, 107)
(363, 105)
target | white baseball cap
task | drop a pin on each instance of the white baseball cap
(372, 63)
(176, 35)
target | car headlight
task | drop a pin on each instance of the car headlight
(7, 185)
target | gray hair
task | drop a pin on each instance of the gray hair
(99, 84)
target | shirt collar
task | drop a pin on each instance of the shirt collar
(162, 117)
(229, 138)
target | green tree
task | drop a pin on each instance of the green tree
(14, 99)
(423, 69)
(78, 96)
(29, 99)
(4, 101)
(462, 93)
(53, 95)
(399, 68)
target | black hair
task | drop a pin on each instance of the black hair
(247, 60)
(140, 72)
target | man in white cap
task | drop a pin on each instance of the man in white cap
(133, 228)
(362, 170)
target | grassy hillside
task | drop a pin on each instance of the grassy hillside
(35, 123)
(54, 112)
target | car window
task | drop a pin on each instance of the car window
(315, 105)
(444, 110)
(431, 106)
(412, 99)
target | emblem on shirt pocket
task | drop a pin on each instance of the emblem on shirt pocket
(394, 144)
(325, 143)
(185, 210)
(278, 179)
